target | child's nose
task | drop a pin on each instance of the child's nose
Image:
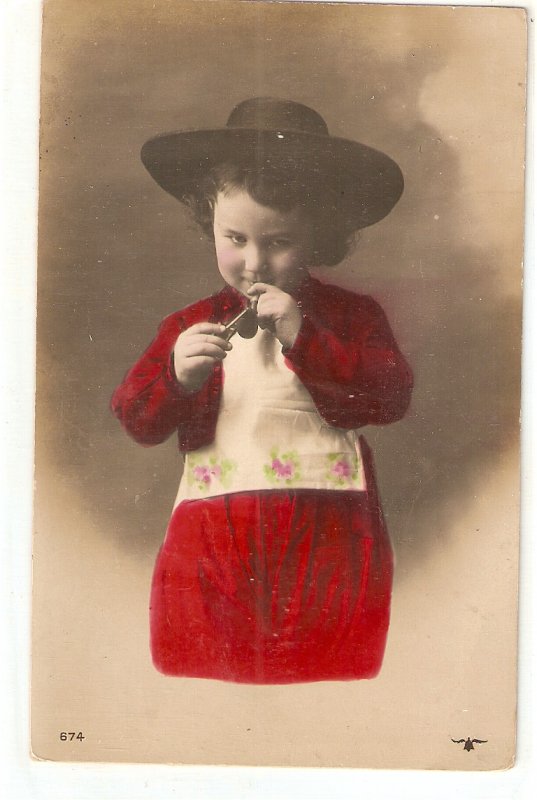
(255, 263)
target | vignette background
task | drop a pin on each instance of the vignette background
(117, 254)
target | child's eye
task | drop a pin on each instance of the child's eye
(236, 238)
(280, 243)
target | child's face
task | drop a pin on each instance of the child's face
(255, 243)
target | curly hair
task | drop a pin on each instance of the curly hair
(281, 187)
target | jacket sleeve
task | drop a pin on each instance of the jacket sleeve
(149, 402)
(352, 366)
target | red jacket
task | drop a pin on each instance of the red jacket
(345, 355)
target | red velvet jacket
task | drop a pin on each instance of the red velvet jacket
(345, 355)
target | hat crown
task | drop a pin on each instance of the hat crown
(271, 114)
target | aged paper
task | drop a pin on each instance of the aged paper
(116, 255)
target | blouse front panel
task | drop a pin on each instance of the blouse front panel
(269, 434)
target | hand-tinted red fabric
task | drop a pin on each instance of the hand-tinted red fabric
(273, 587)
(345, 355)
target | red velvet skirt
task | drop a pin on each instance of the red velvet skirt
(273, 587)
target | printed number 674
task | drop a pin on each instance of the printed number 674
(70, 735)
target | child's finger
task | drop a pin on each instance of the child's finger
(259, 288)
(201, 340)
(205, 349)
(213, 328)
(190, 340)
(207, 338)
(269, 306)
(200, 361)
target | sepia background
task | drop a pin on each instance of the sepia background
(442, 90)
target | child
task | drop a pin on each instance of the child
(276, 566)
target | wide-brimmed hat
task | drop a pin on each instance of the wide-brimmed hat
(266, 132)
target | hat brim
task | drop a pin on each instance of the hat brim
(369, 183)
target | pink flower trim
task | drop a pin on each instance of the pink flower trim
(282, 468)
(342, 470)
(206, 476)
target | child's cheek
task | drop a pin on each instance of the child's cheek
(227, 258)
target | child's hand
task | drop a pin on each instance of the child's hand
(277, 311)
(195, 353)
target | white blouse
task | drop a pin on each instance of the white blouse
(269, 435)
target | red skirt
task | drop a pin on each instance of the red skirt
(273, 587)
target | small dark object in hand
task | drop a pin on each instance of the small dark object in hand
(245, 324)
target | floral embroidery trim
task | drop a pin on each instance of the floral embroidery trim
(214, 471)
(283, 468)
(342, 469)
